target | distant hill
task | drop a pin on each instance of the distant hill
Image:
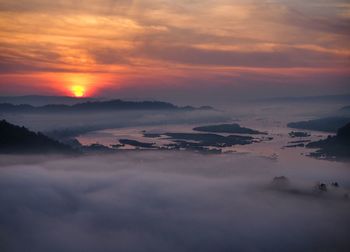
(334, 146)
(96, 106)
(41, 100)
(15, 139)
(324, 98)
(327, 124)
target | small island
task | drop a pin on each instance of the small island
(299, 134)
(232, 128)
(136, 143)
(206, 139)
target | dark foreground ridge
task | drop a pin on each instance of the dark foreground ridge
(227, 128)
(334, 147)
(345, 109)
(97, 106)
(327, 124)
(15, 139)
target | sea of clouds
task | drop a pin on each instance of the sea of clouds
(169, 201)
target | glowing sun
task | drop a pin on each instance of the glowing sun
(78, 91)
(79, 84)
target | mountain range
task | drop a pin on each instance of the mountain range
(96, 106)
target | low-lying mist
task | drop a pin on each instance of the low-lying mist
(90, 121)
(169, 201)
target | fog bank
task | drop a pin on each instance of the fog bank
(169, 201)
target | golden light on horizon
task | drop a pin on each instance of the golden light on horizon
(78, 91)
(79, 85)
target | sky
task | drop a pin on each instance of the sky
(175, 50)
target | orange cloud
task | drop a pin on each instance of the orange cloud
(152, 39)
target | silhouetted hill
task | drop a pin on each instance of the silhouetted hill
(96, 106)
(15, 139)
(41, 100)
(119, 104)
(328, 124)
(334, 146)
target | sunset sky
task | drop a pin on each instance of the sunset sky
(169, 49)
